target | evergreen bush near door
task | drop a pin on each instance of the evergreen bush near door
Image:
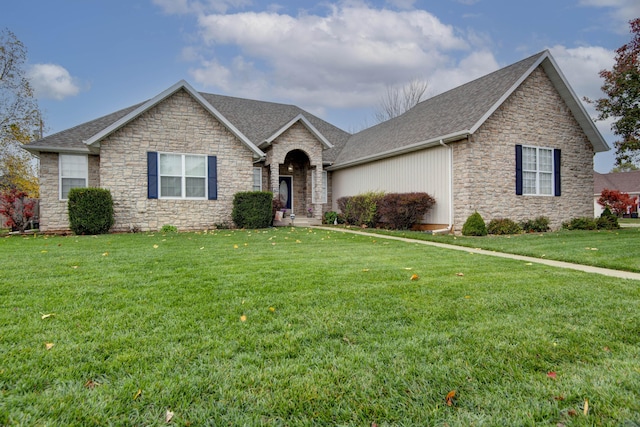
(252, 209)
(90, 210)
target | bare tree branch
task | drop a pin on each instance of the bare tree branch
(398, 100)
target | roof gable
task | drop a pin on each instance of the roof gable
(302, 119)
(181, 85)
(459, 112)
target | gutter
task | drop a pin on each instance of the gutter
(403, 150)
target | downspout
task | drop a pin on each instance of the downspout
(450, 177)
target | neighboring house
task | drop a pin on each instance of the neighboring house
(625, 182)
(516, 144)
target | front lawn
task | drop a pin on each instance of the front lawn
(617, 249)
(307, 327)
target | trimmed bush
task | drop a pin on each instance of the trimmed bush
(252, 209)
(581, 223)
(90, 210)
(503, 226)
(474, 226)
(608, 220)
(401, 210)
(361, 210)
(538, 225)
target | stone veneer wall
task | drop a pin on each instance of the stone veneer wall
(53, 211)
(297, 137)
(180, 125)
(484, 166)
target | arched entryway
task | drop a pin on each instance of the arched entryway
(294, 183)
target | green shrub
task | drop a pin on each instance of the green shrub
(401, 210)
(503, 226)
(361, 210)
(330, 217)
(538, 225)
(474, 226)
(90, 210)
(168, 228)
(252, 209)
(581, 223)
(607, 220)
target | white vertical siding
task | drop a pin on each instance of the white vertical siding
(423, 171)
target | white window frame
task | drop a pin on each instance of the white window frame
(259, 172)
(84, 175)
(183, 176)
(325, 182)
(538, 172)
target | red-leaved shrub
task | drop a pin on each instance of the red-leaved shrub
(401, 210)
(17, 207)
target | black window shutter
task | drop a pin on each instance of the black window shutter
(152, 174)
(212, 178)
(519, 170)
(556, 171)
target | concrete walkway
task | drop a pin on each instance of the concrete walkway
(561, 264)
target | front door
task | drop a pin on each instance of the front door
(286, 193)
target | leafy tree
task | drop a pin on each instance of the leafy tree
(622, 101)
(616, 201)
(19, 116)
(398, 100)
(625, 167)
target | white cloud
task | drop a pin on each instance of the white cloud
(342, 59)
(622, 11)
(581, 67)
(52, 81)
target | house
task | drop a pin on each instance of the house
(625, 182)
(515, 143)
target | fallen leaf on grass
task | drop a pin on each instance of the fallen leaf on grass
(558, 398)
(415, 277)
(48, 345)
(105, 254)
(551, 375)
(243, 318)
(91, 384)
(459, 274)
(137, 395)
(449, 398)
(155, 246)
(365, 270)
(572, 413)
(272, 309)
(46, 316)
(168, 416)
(235, 246)
(585, 409)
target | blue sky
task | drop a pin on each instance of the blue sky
(88, 58)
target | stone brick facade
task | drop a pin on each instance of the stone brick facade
(484, 165)
(298, 146)
(53, 211)
(178, 125)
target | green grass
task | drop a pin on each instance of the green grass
(617, 249)
(334, 333)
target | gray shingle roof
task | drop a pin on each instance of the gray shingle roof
(257, 120)
(626, 182)
(72, 139)
(458, 112)
(452, 112)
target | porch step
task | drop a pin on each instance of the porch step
(298, 222)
